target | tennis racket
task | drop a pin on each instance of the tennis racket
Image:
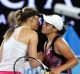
(45, 68)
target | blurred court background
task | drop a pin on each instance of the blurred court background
(72, 24)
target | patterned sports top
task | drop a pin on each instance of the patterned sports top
(52, 59)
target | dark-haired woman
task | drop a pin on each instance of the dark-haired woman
(58, 55)
(19, 41)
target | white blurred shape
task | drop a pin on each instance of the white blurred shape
(12, 5)
(63, 9)
(48, 4)
(31, 4)
(2, 19)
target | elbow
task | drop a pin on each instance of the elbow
(33, 65)
(73, 62)
(76, 61)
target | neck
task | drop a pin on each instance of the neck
(27, 25)
(51, 36)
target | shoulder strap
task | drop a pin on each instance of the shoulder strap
(55, 38)
(45, 45)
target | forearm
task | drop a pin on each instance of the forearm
(69, 64)
(34, 63)
(40, 55)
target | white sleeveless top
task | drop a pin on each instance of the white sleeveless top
(12, 50)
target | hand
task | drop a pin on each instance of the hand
(40, 55)
(55, 71)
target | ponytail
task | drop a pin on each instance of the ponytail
(8, 33)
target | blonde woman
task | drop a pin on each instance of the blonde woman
(20, 41)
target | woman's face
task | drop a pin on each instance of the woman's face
(47, 28)
(35, 22)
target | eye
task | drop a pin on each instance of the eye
(47, 24)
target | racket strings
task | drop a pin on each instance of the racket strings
(46, 69)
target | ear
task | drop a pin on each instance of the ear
(31, 19)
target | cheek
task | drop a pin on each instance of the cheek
(36, 26)
(35, 23)
(47, 30)
(44, 30)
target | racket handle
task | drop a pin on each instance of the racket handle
(47, 73)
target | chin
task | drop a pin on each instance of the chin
(43, 32)
(35, 28)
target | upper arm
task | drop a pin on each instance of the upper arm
(64, 49)
(33, 45)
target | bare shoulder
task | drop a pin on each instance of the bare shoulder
(60, 42)
(62, 46)
(26, 35)
(64, 49)
(33, 39)
(34, 32)
(29, 34)
(34, 35)
(23, 31)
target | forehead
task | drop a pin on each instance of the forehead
(48, 24)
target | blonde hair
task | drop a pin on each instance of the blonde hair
(21, 15)
(11, 18)
(20, 18)
(8, 34)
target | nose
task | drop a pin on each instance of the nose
(43, 26)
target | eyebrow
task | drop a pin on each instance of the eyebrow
(50, 24)
(46, 22)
